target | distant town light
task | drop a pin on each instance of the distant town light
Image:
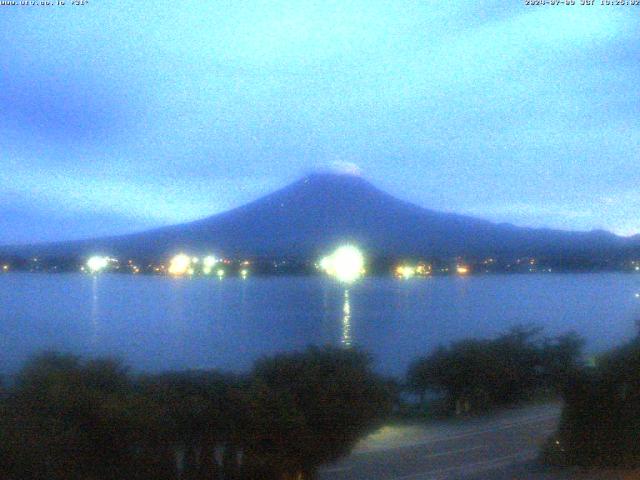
(97, 263)
(220, 273)
(244, 273)
(5, 268)
(405, 271)
(209, 261)
(346, 264)
(179, 264)
(462, 269)
(423, 269)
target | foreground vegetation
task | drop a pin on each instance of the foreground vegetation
(91, 420)
(477, 375)
(600, 423)
(74, 419)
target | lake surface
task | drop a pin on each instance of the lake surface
(160, 323)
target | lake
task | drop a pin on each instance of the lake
(160, 323)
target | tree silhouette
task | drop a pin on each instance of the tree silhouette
(477, 374)
(330, 395)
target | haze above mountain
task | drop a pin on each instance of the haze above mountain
(321, 211)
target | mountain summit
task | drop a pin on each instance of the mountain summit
(319, 211)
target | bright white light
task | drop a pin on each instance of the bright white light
(97, 263)
(346, 264)
(209, 261)
(244, 272)
(220, 273)
(346, 320)
(179, 265)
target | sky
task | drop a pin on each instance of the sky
(117, 116)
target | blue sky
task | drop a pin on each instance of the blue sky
(117, 116)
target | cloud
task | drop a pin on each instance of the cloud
(613, 212)
(518, 113)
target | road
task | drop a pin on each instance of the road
(499, 446)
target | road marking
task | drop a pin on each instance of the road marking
(451, 452)
(538, 421)
(499, 427)
(466, 434)
(475, 466)
(433, 455)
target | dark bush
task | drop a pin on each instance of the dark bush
(327, 398)
(70, 419)
(600, 423)
(478, 374)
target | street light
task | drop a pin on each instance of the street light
(345, 264)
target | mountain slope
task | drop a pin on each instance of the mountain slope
(322, 210)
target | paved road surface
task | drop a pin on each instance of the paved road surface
(500, 446)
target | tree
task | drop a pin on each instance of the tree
(600, 421)
(476, 374)
(201, 412)
(70, 420)
(75, 419)
(322, 401)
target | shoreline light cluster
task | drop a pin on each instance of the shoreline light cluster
(183, 264)
(346, 264)
(407, 270)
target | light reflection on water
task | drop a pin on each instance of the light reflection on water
(95, 312)
(158, 323)
(346, 320)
